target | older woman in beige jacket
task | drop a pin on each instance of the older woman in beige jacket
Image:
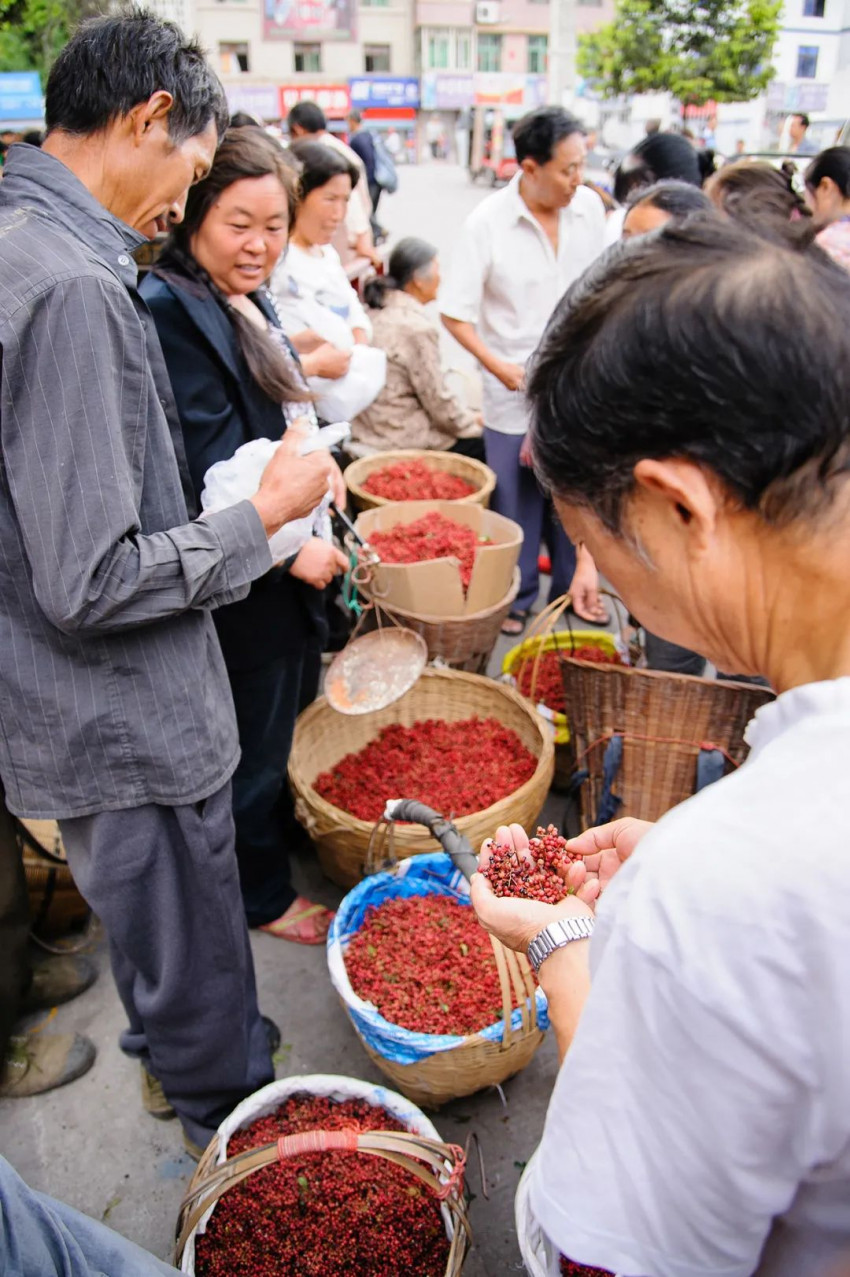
(415, 409)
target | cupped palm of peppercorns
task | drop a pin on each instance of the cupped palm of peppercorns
(531, 875)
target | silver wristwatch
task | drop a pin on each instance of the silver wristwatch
(556, 935)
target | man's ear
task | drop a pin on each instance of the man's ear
(144, 115)
(691, 497)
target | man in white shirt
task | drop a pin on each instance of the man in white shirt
(700, 1124)
(307, 121)
(518, 252)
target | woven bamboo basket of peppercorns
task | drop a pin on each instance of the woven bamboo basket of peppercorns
(445, 1068)
(474, 472)
(323, 737)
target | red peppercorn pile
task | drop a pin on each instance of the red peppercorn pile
(549, 686)
(511, 874)
(457, 768)
(569, 1269)
(446, 983)
(416, 481)
(431, 537)
(323, 1213)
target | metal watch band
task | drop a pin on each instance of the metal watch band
(556, 935)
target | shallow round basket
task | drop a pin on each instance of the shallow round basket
(437, 1067)
(450, 462)
(213, 1173)
(463, 642)
(322, 737)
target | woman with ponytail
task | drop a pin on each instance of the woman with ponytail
(236, 378)
(828, 183)
(415, 409)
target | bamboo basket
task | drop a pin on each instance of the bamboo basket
(664, 719)
(322, 737)
(417, 1150)
(449, 1067)
(450, 462)
(463, 642)
(56, 905)
(543, 637)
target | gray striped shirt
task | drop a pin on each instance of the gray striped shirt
(113, 692)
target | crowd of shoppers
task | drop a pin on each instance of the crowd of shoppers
(154, 659)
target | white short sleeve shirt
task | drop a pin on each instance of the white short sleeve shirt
(700, 1124)
(506, 280)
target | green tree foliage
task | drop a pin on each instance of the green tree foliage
(33, 31)
(716, 49)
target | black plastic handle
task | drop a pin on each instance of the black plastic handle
(453, 841)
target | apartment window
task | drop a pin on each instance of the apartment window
(233, 58)
(308, 57)
(489, 52)
(376, 57)
(538, 46)
(463, 50)
(813, 8)
(438, 49)
(807, 62)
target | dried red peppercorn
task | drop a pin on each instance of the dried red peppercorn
(323, 1213)
(431, 537)
(416, 481)
(569, 1269)
(532, 877)
(457, 768)
(447, 982)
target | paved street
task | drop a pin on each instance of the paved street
(92, 1145)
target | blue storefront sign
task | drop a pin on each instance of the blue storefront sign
(383, 91)
(20, 96)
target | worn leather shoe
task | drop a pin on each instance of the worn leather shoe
(39, 1062)
(153, 1095)
(56, 980)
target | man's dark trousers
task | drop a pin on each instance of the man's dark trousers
(165, 880)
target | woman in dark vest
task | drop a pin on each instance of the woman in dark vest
(236, 378)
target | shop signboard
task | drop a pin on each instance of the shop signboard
(504, 88)
(447, 92)
(782, 97)
(334, 99)
(383, 91)
(20, 96)
(309, 19)
(260, 100)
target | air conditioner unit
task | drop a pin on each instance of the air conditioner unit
(487, 12)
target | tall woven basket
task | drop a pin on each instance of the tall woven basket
(474, 472)
(322, 737)
(665, 721)
(56, 905)
(463, 642)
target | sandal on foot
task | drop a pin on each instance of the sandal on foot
(514, 623)
(303, 922)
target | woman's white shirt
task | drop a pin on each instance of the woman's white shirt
(312, 291)
(700, 1124)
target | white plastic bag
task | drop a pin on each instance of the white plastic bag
(345, 397)
(328, 1084)
(228, 482)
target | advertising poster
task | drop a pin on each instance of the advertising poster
(309, 19)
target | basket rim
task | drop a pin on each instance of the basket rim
(364, 466)
(465, 619)
(344, 819)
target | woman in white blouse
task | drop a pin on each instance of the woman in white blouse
(689, 405)
(315, 300)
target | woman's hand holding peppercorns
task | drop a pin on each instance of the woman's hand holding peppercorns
(516, 921)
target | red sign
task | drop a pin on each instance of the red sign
(334, 99)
